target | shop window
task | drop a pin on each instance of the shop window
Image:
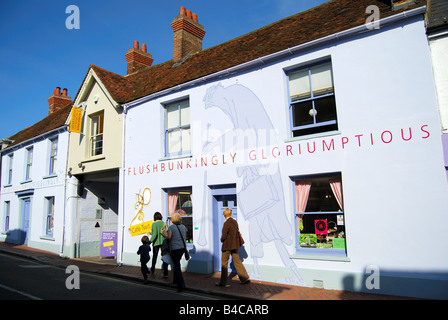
(181, 201)
(7, 215)
(177, 128)
(312, 100)
(319, 213)
(49, 216)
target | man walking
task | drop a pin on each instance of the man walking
(231, 242)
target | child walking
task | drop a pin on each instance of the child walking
(143, 251)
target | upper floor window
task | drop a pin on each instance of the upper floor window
(312, 100)
(177, 128)
(96, 134)
(53, 155)
(9, 176)
(29, 163)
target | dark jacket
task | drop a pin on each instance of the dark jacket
(143, 251)
(230, 239)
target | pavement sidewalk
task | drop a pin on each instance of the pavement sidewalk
(256, 290)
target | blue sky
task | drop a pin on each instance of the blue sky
(38, 53)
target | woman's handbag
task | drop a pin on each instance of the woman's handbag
(187, 254)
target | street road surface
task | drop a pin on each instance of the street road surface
(23, 279)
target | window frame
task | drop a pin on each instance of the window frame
(189, 240)
(7, 215)
(10, 167)
(327, 252)
(49, 214)
(312, 99)
(95, 134)
(29, 153)
(53, 155)
(180, 127)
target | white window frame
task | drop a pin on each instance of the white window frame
(28, 163)
(311, 98)
(53, 155)
(96, 134)
(7, 212)
(49, 206)
(177, 121)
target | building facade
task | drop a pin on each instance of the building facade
(35, 190)
(320, 149)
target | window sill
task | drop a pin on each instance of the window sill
(26, 181)
(97, 158)
(182, 156)
(314, 136)
(7, 185)
(48, 238)
(319, 257)
(52, 175)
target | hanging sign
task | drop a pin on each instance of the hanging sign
(76, 120)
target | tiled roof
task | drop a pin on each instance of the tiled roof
(53, 121)
(324, 20)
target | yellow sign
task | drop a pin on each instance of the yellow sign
(141, 228)
(108, 244)
(76, 120)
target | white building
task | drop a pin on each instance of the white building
(320, 131)
(35, 191)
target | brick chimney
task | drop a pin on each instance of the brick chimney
(188, 34)
(58, 100)
(138, 58)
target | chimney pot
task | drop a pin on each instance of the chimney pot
(195, 17)
(136, 44)
(64, 92)
(182, 11)
(57, 91)
(189, 14)
(144, 47)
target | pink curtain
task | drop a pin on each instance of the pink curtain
(172, 202)
(336, 186)
(302, 192)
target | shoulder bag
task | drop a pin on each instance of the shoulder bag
(187, 254)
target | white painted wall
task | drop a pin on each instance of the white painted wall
(395, 192)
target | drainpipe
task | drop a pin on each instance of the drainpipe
(123, 188)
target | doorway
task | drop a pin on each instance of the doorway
(25, 225)
(222, 197)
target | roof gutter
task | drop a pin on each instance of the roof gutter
(280, 54)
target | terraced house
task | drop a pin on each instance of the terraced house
(322, 132)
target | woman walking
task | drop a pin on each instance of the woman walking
(157, 240)
(176, 235)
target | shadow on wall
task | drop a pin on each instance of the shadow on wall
(422, 285)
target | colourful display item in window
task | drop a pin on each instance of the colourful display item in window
(321, 226)
(308, 240)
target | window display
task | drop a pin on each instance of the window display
(320, 215)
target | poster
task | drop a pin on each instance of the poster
(321, 227)
(108, 244)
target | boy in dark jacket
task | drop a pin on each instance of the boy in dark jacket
(143, 251)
